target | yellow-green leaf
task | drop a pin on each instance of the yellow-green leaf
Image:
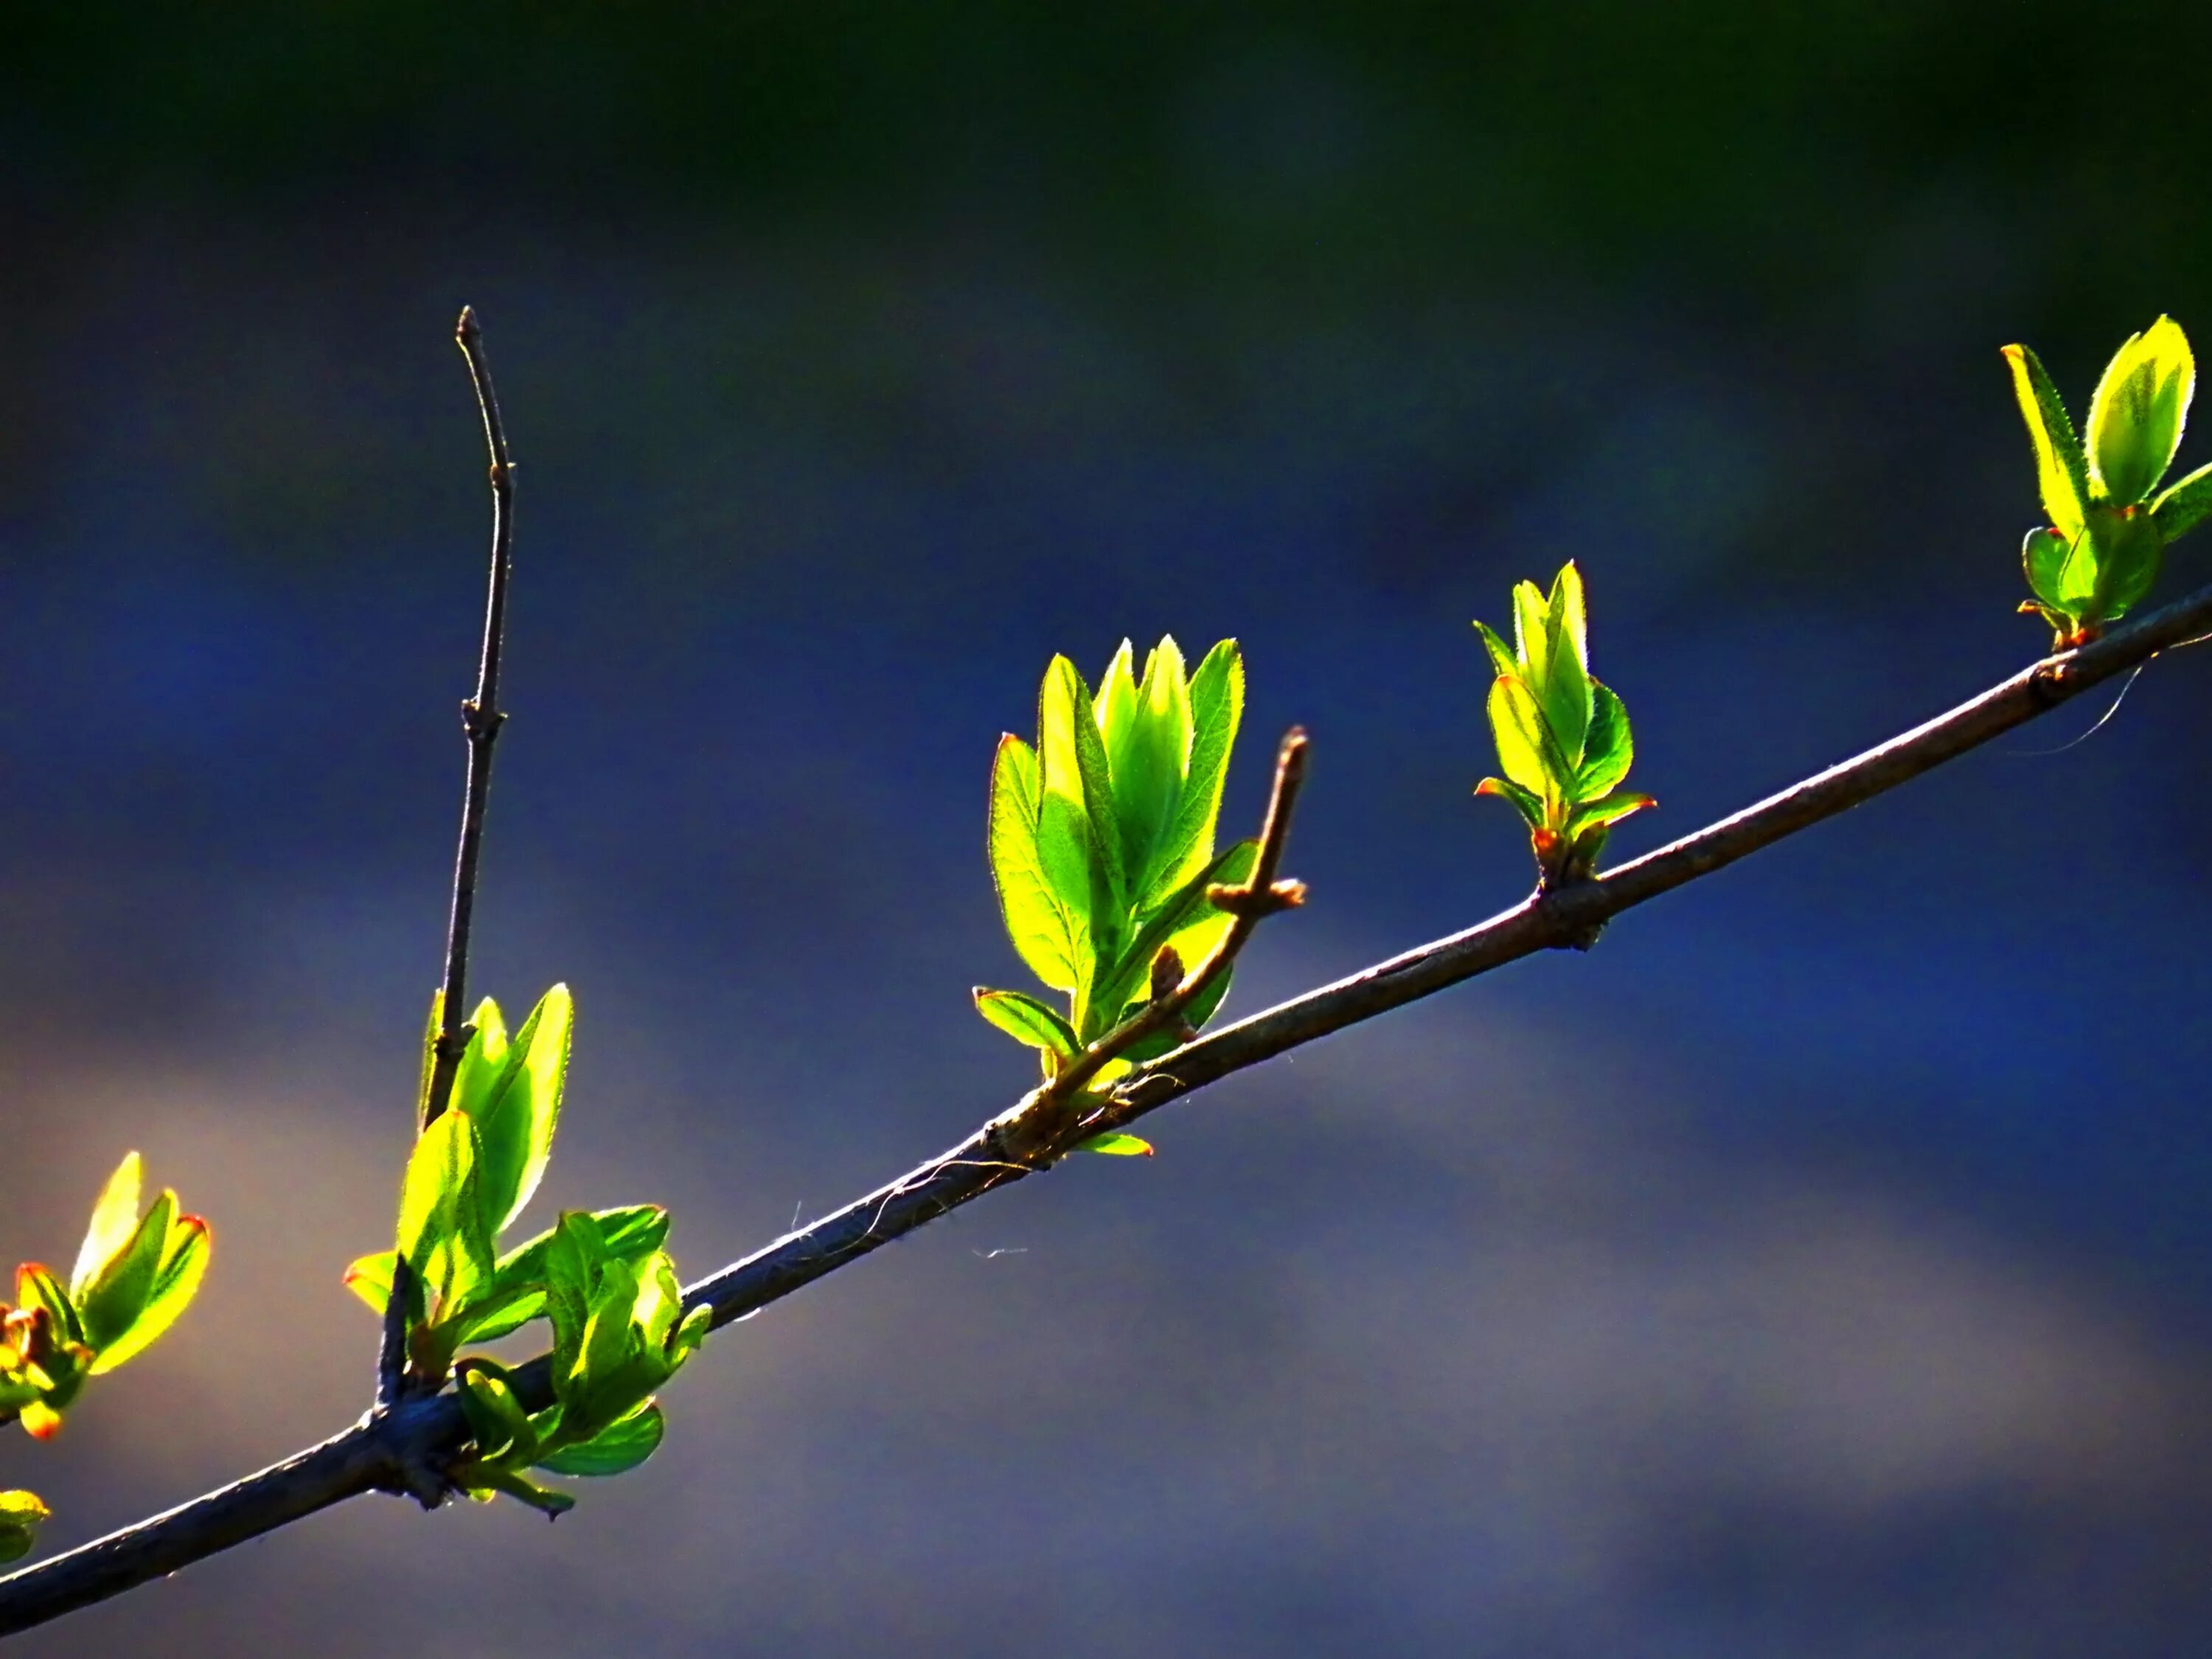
(2061, 470)
(114, 1222)
(2136, 416)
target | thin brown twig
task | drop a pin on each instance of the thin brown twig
(421, 1432)
(481, 719)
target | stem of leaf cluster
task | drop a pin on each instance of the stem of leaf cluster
(417, 1433)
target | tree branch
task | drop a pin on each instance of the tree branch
(481, 719)
(369, 1456)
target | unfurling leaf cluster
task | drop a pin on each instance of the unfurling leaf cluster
(595, 1275)
(2110, 522)
(1562, 738)
(1101, 844)
(619, 1333)
(135, 1274)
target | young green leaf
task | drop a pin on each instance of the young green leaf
(36, 1287)
(114, 1223)
(1189, 921)
(2061, 470)
(1527, 802)
(1217, 709)
(1525, 747)
(516, 1119)
(1606, 811)
(501, 1428)
(1202, 1008)
(1609, 748)
(442, 1232)
(1117, 1145)
(369, 1278)
(21, 1514)
(1146, 756)
(183, 1264)
(2182, 506)
(1046, 934)
(1502, 659)
(1027, 1020)
(2136, 417)
(110, 1304)
(1077, 843)
(620, 1447)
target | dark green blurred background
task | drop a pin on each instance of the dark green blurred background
(1820, 1267)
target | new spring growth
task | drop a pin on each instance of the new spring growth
(2110, 523)
(1101, 844)
(135, 1274)
(619, 1333)
(1562, 738)
(21, 1513)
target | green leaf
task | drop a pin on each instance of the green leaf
(114, 1301)
(1217, 709)
(1077, 842)
(1147, 757)
(1609, 748)
(1526, 751)
(1532, 636)
(618, 1447)
(482, 1061)
(519, 1112)
(502, 1427)
(516, 1292)
(1527, 802)
(183, 1264)
(1046, 934)
(22, 1513)
(2129, 551)
(2184, 506)
(2136, 416)
(442, 1226)
(2061, 471)
(1502, 660)
(369, 1278)
(1564, 690)
(1117, 1145)
(114, 1223)
(2043, 556)
(36, 1287)
(1608, 810)
(1027, 1020)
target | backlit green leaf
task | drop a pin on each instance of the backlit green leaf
(2136, 416)
(516, 1120)
(1609, 748)
(1027, 1020)
(114, 1301)
(183, 1264)
(1502, 660)
(2184, 506)
(21, 1514)
(1046, 934)
(1607, 810)
(1527, 802)
(1117, 1145)
(1077, 842)
(620, 1447)
(114, 1223)
(1147, 757)
(36, 1287)
(1203, 1007)
(442, 1227)
(369, 1278)
(1188, 921)
(1217, 709)
(2061, 470)
(1525, 750)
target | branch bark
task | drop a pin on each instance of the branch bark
(481, 719)
(370, 1455)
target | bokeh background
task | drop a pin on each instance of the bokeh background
(1822, 1267)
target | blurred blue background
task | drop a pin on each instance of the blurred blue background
(1821, 1266)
